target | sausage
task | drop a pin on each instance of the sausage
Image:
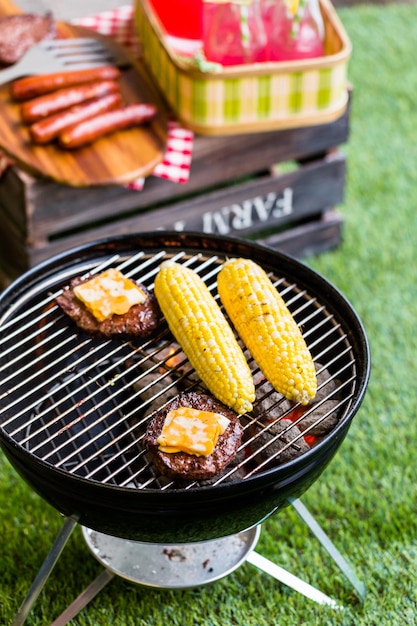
(45, 130)
(91, 129)
(33, 86)
(38, 108)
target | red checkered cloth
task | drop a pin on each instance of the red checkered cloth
(175, 166)
(117, 23)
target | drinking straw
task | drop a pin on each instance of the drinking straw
(244, 25)
(298, 16)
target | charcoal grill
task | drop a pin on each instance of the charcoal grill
(73, 408)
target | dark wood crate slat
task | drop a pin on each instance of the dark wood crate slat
(241, 210)
(316, 185)
(14, 259)
(313, 237)
(12, 200)
(239, 185)
(54, 208)
(216, 161)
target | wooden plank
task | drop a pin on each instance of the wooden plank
(5, 280)
(242, 209)
(12, 203)
(313, 236)
(216, 161)
(314, 186)
(231, 191)
(309, 238)
(14, 259)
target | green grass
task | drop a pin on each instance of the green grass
(366, 499)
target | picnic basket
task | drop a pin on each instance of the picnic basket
(252, 97)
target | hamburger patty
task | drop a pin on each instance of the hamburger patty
(141, 319)
(189, 466)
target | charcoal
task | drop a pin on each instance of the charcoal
(275, 445)
(155, 390)
(319, 417)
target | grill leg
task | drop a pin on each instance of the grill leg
(290, 580)
(296, 583)
(45, 570)
(340, 561)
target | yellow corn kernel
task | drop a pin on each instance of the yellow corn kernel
(268, 329)
(199, 326)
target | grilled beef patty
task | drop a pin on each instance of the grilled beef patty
(18, 33)
(188, 466)
(141, 319)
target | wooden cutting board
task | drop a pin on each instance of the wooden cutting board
(118, 158)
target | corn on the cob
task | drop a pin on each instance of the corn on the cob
(268, 329)
(198, 324)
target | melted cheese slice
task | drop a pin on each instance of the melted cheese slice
(108, 293)
(191, 431)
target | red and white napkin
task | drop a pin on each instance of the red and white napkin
(175, 166)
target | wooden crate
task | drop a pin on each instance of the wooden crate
(278, 187)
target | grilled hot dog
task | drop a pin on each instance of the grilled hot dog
(100, 125)
(38, 108)
(33, 86)
(47, 129)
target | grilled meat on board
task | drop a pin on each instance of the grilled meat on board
(18, 33)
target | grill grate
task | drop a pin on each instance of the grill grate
(81, 404)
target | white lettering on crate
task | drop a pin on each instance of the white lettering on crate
(243, 216)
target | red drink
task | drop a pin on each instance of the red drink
(181, 18)
(290, 39)
(233, 33)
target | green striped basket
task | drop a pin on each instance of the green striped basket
(249, 98)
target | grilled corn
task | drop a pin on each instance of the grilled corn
(268, 329)
(199, 326)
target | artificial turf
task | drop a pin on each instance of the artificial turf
(366, 500)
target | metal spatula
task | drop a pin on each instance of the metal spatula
(62, 55)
